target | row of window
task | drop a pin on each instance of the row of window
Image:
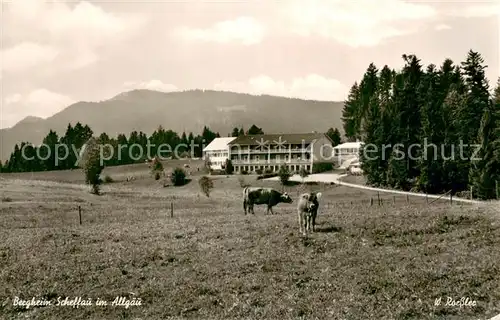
(277, 158)
(292, 168)
(216, 154)
(346, 151)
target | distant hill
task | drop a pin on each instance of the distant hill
(145, 110)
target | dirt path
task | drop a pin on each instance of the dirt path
(337, 179)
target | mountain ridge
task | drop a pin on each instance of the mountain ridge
(190, 110)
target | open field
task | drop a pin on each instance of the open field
(118, 173)
(210, 261)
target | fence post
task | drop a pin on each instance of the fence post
(371, 201)
(378, 195)
(171, 209)
(80, 214)
(426, 198)
(407, 198)
(393, 199)
(471, 192)
(451, 198)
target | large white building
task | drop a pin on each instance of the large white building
(271, 151)
(217, 152)
(347, 153)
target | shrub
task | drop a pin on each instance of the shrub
(156, 168)
(244, 172)
(108, 179)
(268, 171)
(206, 185)
(284, 175)
(258, 171)
(322, 167)
(178, 177)
(303, 173)
(229, 168)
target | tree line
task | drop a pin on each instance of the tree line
(61, 153)
(52, 156)
(448, 114)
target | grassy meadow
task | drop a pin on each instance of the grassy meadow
(210, 261)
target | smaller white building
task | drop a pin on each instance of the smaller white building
(217, 152)
(347, 152)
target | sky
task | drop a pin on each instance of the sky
(57, 53)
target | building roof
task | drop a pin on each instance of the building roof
(219, 144)
(293, 138)
(349, 145)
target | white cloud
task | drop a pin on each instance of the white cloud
(155, 85)
(39, 103)
(356, 23)
(41, 31)
(244, 30)
(312, 86)
(27, 55)
(477, 10)
(441, 27)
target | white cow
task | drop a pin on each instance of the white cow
(308, 210)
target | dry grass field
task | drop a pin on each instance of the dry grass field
(210, 261)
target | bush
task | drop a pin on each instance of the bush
(258, 171)
(284, 175)
(108, 179)
(206, 185)
(268, 171)
(92, 165)
(156, 168)
(267, 175)
(322, 167)
(178, 177)
(303, 173)
(229, 168)
(244, 172)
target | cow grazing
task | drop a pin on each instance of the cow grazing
(308, 210)
(269, 196)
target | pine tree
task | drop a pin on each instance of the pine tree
(367, 89)
(397, 172)
(485, 172)
(430, 179)
(334, 135)
(386, 81)
(254, 130)
(350, 113)
(469, 114)
(407, 103)
(453, 174)
(48, 152)
(235, 132)
(371, 151)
